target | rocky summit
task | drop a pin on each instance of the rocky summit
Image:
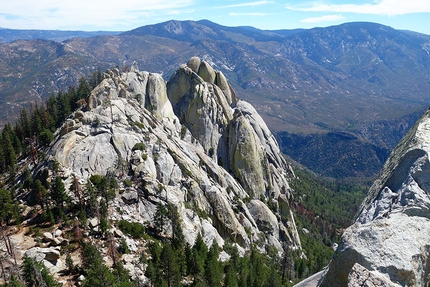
(190, 143)
(389, 242)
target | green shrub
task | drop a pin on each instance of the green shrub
(127, 182)
(139, 146)
(139, 125)
(123, 247)
(183, 131)
(134, 229)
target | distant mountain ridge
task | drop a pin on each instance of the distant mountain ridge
(205, 29)
(9, 35)
(339, 78)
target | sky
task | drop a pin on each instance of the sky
(116, 15)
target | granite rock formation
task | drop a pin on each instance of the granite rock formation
(390, 238)
(189, 143)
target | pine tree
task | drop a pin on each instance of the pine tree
(257, 275)
(36, 275)
(24, 120)
(64, 107)
(213, 271)
(196, 263)
(170, 266)
(98, 274)
(151, 272)
(91, 203)
(122, 276)
(243, 267)
(200, 247)
(40, 191)
(9, 155)
(154, 265)
(8, 210)
(178, 238)
(273, 279)
(160, 217)
(58, 193)
(105, 186)
(52, 109)
(230, 279)
(45, 137)
(84, 89)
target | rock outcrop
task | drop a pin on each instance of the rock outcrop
(188, 143)
(390, 238)
(50, 257)
(230, 130)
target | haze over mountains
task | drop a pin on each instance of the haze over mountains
(367, 81)
(9, 35)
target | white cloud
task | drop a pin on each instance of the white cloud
(326, 18)
(60, 14)
(180, 12)
(248, 14)
(247, 4)
(378, 7)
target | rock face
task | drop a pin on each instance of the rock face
(189, 143)
(360, 276)
(390, 238)
(231, 131)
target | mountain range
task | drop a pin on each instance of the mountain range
(363, 79)
(10, 35)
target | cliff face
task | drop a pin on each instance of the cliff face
(189, 143)
(390, 238)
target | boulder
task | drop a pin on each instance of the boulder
(117, 233)
(225, 87)
(93, 222)
(39, 254)
(131, 197)
(58, 233)
(207, 73)
(194, 64)
(47, 236)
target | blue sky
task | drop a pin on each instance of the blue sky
(115, 15)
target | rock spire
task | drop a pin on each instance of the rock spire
(189, 143)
